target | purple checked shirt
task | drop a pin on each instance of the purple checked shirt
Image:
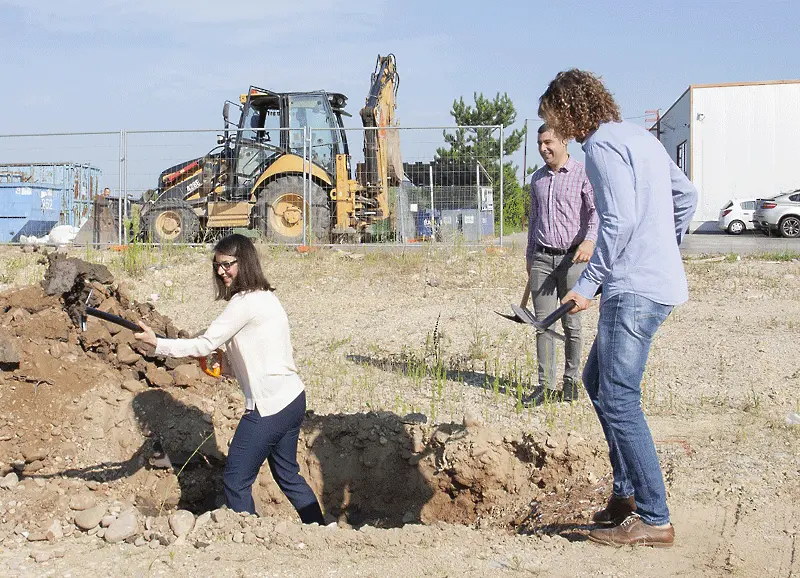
(562, 208)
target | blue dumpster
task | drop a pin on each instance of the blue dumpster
(35, 197)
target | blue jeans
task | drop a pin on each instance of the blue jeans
(272, 438)
(612, 377)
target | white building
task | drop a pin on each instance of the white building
(735, 140)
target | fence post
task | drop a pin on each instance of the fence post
(502, 203)
(119, 185)
(125, 186)
(478, 196)
(307, 144)
(433, 221)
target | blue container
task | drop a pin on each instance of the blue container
(487, 223)
(426, 224)
(36, 197)
(27, 209)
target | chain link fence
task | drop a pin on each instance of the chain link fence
(301, 185)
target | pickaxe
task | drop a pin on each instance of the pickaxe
(121, 321)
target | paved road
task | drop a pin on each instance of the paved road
(747, 243)
(713, 243)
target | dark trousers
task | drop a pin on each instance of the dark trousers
(272, 438)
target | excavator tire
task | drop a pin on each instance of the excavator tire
(172, 222)
(279, 212)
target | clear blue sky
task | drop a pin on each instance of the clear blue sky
(145, 64)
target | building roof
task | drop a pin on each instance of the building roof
(723, 85)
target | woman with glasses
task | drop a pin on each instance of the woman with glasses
(254, 330)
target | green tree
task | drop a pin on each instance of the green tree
(483, 145)
(526, 194)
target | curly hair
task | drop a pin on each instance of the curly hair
(575, 103)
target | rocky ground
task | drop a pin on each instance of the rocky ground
(416, 441)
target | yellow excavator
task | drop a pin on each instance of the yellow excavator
(254, 178)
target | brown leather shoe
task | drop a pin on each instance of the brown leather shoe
(634, 532)
(615, 511)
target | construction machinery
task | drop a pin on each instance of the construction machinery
(286, 170)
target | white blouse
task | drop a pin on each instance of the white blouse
(254, 329)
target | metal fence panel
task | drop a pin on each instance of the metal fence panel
(50, 180)
(443, 184)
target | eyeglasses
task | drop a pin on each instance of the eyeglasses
(226, 265)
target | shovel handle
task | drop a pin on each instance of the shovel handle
(557, 314)
(116, 319)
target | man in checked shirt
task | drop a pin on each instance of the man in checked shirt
(561, 236)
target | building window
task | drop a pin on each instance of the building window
(680, 157)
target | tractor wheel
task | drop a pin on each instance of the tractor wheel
(173, 222)
(279, 212)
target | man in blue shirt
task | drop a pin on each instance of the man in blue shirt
(644, 203)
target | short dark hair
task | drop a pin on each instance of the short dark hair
(250, 276)
(543, 128)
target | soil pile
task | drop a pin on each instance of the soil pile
(98, 435)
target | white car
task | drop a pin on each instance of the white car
(737, 215)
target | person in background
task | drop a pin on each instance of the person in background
(561, 236)
(645, 204)
(254, 330)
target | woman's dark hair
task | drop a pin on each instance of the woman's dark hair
(575, 103)
(250, 277)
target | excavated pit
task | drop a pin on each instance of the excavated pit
(94, 411)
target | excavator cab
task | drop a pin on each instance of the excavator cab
(261, 140)
(268, 155)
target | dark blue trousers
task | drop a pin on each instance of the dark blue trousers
(272, 438)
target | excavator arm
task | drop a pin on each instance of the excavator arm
(382, 159)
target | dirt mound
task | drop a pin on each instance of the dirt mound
(88, 411)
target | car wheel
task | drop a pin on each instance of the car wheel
(790, 227)
(736, 227)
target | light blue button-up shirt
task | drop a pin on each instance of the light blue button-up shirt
(645, 204)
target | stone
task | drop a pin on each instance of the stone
(126, 355)
(82, 502)
(90, 518)
(9, 356)
(34, 452)
(107, 520)
(158, 377)
(471, 420)
(9, 481)
(54, 532)
(133, 385)
(124, 527)
(250, 538)
(181, 522)
(202, 520)
(187, 374)
(41, 556)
